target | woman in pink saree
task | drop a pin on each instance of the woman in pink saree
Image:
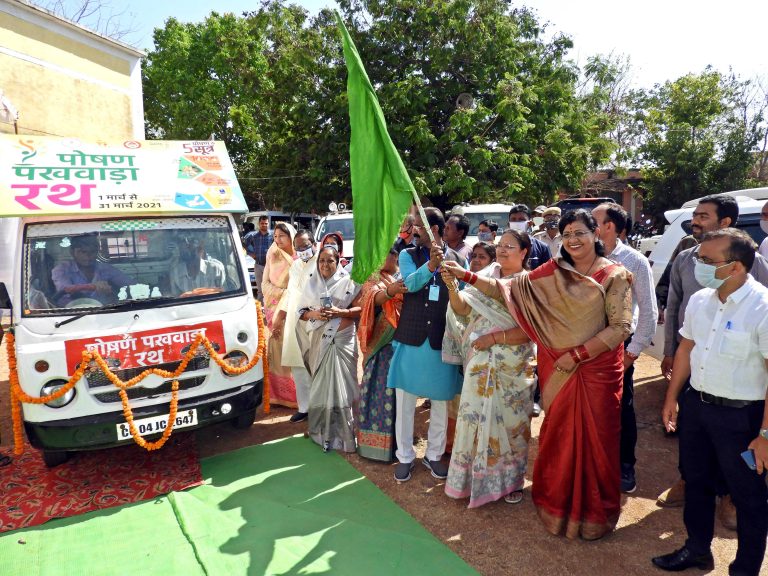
(577, 308)
(280, 256)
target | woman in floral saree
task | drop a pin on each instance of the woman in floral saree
(490, 448)
(280, 256)
(382, 299)
(577, 308)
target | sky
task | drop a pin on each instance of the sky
(664, 39)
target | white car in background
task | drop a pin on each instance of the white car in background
(342, 222)
(476, 213)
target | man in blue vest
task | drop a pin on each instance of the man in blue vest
(416, 369)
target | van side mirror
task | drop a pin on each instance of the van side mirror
(5, 299)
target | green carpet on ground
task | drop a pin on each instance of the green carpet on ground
(278, 508)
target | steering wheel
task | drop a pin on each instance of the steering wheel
(83, 303)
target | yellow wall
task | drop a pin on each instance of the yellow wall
(64, 87)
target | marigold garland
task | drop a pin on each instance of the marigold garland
(18, 395)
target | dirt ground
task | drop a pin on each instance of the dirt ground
(500, 538)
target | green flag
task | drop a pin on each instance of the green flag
(382, 192)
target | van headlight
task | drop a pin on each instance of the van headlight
(235, 359)
(52, 387)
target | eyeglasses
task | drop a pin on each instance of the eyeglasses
(579, 234)
(507, 247)
(708, 261)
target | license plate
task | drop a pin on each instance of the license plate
(157, 424)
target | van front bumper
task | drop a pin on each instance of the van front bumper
(100, 430)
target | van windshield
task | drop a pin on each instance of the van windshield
(343, 224)
(104, 264)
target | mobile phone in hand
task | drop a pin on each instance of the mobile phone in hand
(749, 458)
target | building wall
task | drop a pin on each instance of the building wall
(66, 80)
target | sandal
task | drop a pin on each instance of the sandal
(514, 497)
(4, 461)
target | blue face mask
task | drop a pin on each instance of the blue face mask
(705, 275)
(484, 236)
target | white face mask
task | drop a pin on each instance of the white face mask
(764, 226)
(519, 226)
(705, 274)
(484, 236)
(306, 254)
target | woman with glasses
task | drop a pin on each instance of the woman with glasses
(328, 308)
(577, 308)
(490, 448)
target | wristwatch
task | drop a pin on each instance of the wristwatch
(764, 433)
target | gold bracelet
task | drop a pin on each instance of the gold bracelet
(563, 370)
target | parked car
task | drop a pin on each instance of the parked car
(296, 219)
(479, 212)
(680, 226)
(341, 222)
(585, 203)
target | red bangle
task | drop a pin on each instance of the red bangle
(583, 352)
(472, 278)
(575, 355)
(466, 276)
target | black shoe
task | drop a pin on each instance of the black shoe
(438, 468)
(683, 559)
(628, 483)
(403, 471)
(299, 417)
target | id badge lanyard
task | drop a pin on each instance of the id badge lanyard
(434, 289)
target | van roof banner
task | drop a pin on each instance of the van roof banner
(41, 176)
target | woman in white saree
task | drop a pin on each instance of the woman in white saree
(327, 339)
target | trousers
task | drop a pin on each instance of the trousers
(405, 404)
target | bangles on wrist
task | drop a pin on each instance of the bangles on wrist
(469, 277)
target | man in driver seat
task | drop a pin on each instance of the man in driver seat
(84, 277)
(192, 267)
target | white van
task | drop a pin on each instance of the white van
(130, 250)
(680, 226)
(339, 221)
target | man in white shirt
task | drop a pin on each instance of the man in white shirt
(192, 268)
(724, 351)
(611, 220)
(551, 233)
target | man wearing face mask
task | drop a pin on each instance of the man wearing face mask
(551, 234)
(486, 231)
(192, 267)
(723, 357)
(519, 219)
(287, 318)
(405, 236)
(713, 212)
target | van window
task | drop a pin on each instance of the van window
(103, 265)
(750, 223)
(344, 225)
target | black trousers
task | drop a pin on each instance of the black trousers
(711, 443)
(628, 420)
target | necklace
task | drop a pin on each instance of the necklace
(590, 266)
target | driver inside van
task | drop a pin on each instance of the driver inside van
(84, 277)
(192, 268)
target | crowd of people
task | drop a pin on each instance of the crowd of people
(557, 318)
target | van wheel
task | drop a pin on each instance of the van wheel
(245, 420)
(53, 459)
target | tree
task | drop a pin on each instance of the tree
(480, 106)
(699, 139)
